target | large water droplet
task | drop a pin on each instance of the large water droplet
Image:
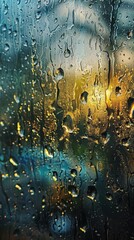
(6, 9)
(67, 53)
(16, 98)
(73, 191)
(84, 97)
(55, 176)
(73, 172)
(38, 15)
(32, 190)
(59, 74)
(7, 47)
(4, 27)
(13, 162)
(118, 91)
(68, 123)
(91, 193)
(18, 186)
(129, 34)
(109, 196)
(48, 151)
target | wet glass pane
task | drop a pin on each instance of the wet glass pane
(66, 120)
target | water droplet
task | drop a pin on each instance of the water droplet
(48, 151)
(109, 196)
(13, 162)
(15, 33)
(83, 229)
(73, 191)
(73, 172)
(7, 47)
(91, 193)
(68, 123)
(55, 20)
(26, 43)
(33, 42)
(21, 133)
(67, 53)
(18, 2)
(38, 15)
(16, 98)
(131, 107)
(125, 142)
(6, 9)
(84, 97)
(129, 34)
(2, 123)
(32, 190)
(16, 175)
(55, 176)
(18, 186)
(118, 91)
(59, 74)
(4, 27)
(46, 2)
(105, 137)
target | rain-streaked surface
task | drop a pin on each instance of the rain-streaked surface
(66, 120)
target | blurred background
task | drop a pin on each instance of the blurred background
(66, 119)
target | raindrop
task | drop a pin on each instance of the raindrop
(32, 190)
(84, 97)
(16, 98)
(13, 162)
(21, 133)
(48, 151)
(118, 91)
(7, 47)
(2, 123)
(15, 33)
(68, 123)
(131, 107)
(18, 186)
(6, 9)
(67, 52)
(38, 15)
(46, 2)
(59, 74)
(26, 43)
(73, 191)
(4, 27)
(73, 172)
(55, 176)
(125, 142)
(105, 137)
(35, 61)
(33, 42)
(83, 229)
(18, 2)
(129, 34)
(91, 193)
(109, 196)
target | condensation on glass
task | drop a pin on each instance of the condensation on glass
(66, 119)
